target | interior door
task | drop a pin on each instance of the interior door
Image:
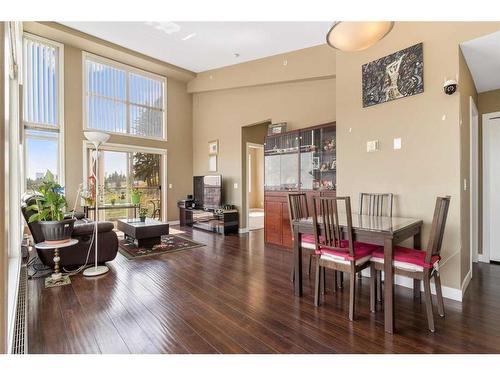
(491, 181)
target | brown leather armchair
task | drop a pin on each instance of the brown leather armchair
(74, 256)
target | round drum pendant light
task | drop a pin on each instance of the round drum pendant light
(357, 36)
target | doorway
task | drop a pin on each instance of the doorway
(255, 185)
(124, 169)
(491, 186)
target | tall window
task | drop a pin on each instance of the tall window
(121, 99)
(43, 115)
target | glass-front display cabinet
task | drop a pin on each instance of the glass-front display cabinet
(301, 160)
(282, 162)
(318, 158)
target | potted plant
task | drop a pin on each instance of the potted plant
(113, 199)
(143, 212)
(49, 209)
(135, 196)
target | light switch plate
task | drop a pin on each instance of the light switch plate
(235, 185)
(170, 186)
(372, 146)
(397, 143)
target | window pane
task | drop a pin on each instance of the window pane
(106, 114)
(122, 101)
(105, 80)
(146, 91)
(146, 121)
(41, 82)
(41, 155)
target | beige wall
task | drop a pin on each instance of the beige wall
(222, 114)
(429, 163)
(467, 90)
(296, 87)
(179, 113)
(3, 247)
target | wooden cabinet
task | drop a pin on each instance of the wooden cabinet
(301, 160)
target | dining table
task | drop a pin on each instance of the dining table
(377, 230)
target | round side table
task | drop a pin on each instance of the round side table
(57, 277)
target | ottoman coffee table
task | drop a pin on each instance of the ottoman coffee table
(143, 233)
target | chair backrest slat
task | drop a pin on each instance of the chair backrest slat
(328, 220)
(376, 204)
(438, 227)
(297, 207)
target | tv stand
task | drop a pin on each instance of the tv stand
(222, 222)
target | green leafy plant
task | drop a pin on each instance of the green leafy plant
(143, 212)
(51, 204)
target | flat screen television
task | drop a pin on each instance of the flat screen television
(207, 191)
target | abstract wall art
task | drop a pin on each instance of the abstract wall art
(394, 76)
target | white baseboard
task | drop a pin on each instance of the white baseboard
(243, 230)
(466, 281)
(451, 293)
(174, 222)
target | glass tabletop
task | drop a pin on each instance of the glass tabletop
(373, 223)
(139, 223)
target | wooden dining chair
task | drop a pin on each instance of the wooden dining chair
(421, 265)
(337, 250)
(376, 204)
(298, 209)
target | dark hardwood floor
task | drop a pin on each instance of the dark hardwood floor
(235, 296)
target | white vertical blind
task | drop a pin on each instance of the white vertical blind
(122, 100)
(41, 92)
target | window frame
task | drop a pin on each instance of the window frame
(128, 69)
(60, 112)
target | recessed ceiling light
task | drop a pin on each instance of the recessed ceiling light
(187, 37)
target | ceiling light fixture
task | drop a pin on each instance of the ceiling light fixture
(357, 36)
(187, 37)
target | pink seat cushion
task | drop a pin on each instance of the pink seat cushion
(407, 255)
(361, 250)
(308, 238)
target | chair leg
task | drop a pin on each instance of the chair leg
(317, 284)
(309, 267)
(334, 281)
(322, 277)
(379, 286)
(428, 302)
(340, 279)
(373, 289)
(352, 294)
(416, 289)
(439, 294)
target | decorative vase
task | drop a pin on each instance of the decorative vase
(135, 198)
(56, 232)
(143, 219)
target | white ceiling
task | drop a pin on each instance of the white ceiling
(483, 58)
(200, 46)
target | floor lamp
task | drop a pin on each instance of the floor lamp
(97, 139)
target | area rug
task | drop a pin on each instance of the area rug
(172, 243)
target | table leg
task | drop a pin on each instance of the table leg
(297, 259)
(388, 286)
(57, 274)
(417, 244)
(417, 241)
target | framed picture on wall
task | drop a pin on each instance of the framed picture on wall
(212, 163)
(213, 147)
